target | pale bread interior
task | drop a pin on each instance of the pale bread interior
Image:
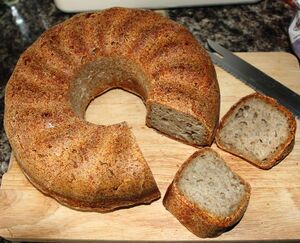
(177, 124)
(209, 182)
(255, 129)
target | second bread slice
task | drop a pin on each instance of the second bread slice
(206, 196)
(257, 129)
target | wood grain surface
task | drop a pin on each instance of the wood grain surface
(274, 208)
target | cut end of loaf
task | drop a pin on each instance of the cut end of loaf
(178, 125)
(257, 129)
(209, 183)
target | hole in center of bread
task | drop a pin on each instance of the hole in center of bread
(102, 75)
(116, 106)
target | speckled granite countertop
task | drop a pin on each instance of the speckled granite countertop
(253, 27)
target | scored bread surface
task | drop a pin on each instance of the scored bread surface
(95, 167)
(206, 196)
(257, 129)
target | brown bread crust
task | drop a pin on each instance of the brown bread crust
(196, 219)
(283, 150)
(91, 167)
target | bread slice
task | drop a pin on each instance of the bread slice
(206, 196)
(259, 130)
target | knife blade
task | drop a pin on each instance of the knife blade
(254, 78)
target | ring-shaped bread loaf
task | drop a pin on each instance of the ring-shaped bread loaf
(94, 167)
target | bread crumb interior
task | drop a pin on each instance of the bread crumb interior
(209, 183)
(255, 129)
(177, 124)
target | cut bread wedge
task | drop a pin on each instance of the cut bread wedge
(257, 129)
(206, 196)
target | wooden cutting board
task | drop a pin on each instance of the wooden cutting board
(274, 208)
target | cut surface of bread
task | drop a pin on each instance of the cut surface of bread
(178, 125)
(207, 181)
(206, 196)
(257, 129)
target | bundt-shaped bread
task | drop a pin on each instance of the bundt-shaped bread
(93, 167)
